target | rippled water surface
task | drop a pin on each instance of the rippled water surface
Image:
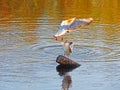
(28, 51)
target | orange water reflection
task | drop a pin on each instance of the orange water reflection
(27, 13)
(106, 10)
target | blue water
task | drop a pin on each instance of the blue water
(28, 54)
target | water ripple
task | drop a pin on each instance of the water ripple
(84, 52)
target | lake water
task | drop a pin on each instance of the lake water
(28, 51)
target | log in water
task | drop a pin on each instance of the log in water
(62, 60)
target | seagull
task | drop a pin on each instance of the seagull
(68, 48)
(71, 25)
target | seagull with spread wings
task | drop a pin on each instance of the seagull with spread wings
(71, 25)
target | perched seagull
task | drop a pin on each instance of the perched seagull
(71, 25)
(68, 48)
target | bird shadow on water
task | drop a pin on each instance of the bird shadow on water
(63, 71)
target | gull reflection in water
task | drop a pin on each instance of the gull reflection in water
(64, 71)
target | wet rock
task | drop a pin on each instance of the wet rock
(66, 62)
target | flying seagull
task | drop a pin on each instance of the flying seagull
(71, 25)
(68, 48)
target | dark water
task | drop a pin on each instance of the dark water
(28, 50)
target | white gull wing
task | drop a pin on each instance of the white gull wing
(64, 26)
(78, 23)
(71, 25)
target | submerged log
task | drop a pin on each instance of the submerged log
(62, 60)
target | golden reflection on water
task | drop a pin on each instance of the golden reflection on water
(27, 13)
(106, 10)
